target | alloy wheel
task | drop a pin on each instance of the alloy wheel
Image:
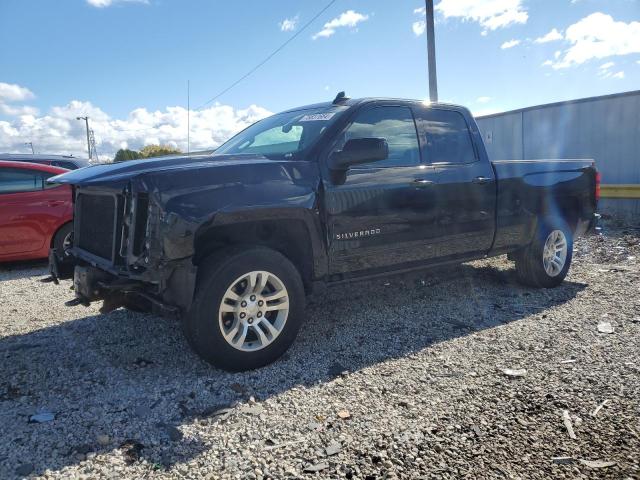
(253, 311)
(554, 253)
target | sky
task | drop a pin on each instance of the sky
(126, 63)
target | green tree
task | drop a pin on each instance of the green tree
(158, 151)
(125, 154)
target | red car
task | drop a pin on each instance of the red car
(34, 216)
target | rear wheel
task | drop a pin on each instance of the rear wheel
(546, 261)
(247, 310)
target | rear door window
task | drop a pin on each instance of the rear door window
(15, 180)
(446, 137)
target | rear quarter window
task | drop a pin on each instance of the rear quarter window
(446, 137)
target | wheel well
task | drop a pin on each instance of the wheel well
(289, 237)
(569, 210)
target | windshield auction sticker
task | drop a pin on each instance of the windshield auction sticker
(314, 117)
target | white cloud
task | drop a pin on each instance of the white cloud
(552, 36)
(483, 99)
(108, 3)
(490, 14)
(58, 132)
(419, 27)
(10, 92)
(510, 44)
(557, 54)
(16, 111)
(350, 18)
(604, 71)
(547, 63)
(599, 36)
(288, 24)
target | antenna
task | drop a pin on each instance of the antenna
(341, 97)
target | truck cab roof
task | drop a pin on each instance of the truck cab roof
(354, 102)
(65, 161)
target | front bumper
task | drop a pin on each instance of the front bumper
(171, 296)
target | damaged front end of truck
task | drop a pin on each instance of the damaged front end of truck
(128, 251)
(139, 226)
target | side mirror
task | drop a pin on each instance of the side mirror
(359, 150)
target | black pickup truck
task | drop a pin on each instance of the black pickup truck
(231, 243)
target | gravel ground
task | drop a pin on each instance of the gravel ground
(457, 373)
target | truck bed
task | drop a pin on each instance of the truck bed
(527, 187)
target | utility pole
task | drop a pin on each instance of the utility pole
(86, 122)
(31, 145)
(431, 52)
(92, 146)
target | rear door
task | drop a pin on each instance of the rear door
(466, 189)
(384, 212)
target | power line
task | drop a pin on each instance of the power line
(250, 72)
(270, 56)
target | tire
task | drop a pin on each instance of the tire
(226, 307)
(544, 262)
(63, 240)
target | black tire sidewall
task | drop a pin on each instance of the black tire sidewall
(58, 240)
(201, 323)
(542, 278)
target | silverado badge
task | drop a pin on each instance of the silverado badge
(358, 234)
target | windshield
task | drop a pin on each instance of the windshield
(284, 135)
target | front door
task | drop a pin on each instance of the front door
(384, 212)
(22, 202)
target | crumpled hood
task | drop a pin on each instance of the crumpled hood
(118, 172)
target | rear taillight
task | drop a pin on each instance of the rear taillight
(598, 178)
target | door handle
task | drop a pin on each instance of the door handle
(422, 183)
(55, 203)
(481, 180)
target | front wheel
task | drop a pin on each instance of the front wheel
(546, 261)
(248, 309)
